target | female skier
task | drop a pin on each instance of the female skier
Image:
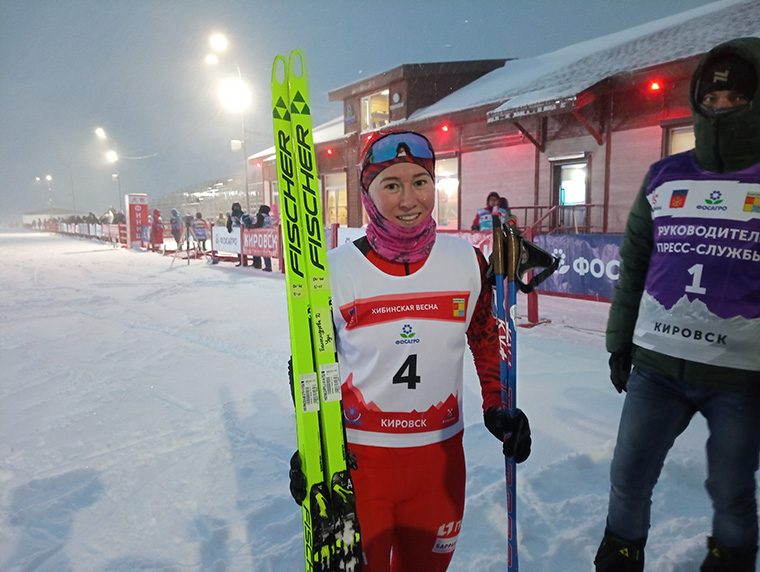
(404, 300)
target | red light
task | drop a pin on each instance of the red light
(329, 151)
(654, 86)
(258, 165)
(445, 128)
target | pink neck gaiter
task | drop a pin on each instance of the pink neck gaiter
(395, 243)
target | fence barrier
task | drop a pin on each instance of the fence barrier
(589, 267)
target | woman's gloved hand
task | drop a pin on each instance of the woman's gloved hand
(516, 429)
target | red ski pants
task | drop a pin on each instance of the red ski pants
(410, 503)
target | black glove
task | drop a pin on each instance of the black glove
(351, 461)
(297, 479)
(500, 423)
(620, 369)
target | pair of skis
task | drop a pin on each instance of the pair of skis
(332, 539)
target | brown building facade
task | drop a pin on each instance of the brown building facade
(566, 137)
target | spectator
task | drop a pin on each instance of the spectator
(235, 220)
(176, 223)
(221, 220)
(504, 211)
(483, 220)
(263, 220)
(200, 231)
(689, 321)
(157, 230)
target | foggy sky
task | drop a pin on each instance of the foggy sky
(136, 68)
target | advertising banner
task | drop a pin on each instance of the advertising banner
(589, 264)
(223, 241)
(261, 242)
(137, 218)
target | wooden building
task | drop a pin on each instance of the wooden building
(566, 136)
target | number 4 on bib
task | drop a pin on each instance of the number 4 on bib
(407, 373)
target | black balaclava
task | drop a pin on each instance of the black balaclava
(728, 140)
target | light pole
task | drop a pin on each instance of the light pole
(235, 96)
(113, 157)
(47, 179)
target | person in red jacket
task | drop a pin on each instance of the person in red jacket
(157, 230)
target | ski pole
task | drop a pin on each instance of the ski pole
(506, 244)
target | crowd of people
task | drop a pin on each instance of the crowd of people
(111, 216)
(188, 231)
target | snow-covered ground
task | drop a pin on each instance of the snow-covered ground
(146, 424)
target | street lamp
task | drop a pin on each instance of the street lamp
(235, 96)
(112, 156)
(48, 179)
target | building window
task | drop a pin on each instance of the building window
(375, 111)
(336, 202)
(570, 192)
(446, 212)
(572, 184)
(679, 139)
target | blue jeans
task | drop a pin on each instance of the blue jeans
(658, 409)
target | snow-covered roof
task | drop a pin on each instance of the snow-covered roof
(543, 81)
(328, 131)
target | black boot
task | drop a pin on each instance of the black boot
(720, 559)
(618, 555)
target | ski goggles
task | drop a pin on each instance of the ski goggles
(398, 144)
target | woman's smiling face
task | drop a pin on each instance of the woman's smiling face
(404, 193)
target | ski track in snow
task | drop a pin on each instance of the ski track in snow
(146, 425)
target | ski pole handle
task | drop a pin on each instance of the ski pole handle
(512, 248)
(498, 247)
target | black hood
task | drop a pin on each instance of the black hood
(730, 141)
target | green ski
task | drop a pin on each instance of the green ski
(331, 528)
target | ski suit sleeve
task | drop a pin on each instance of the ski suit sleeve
(483, 339)
(635, 253)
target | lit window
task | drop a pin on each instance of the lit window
(375, 111)
(680, 139)
(336, 199)
(447, 196)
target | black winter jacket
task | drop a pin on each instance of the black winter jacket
(725, 143)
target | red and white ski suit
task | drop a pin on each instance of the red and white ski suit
(400, 338)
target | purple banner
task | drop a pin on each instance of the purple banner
(589, 264)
